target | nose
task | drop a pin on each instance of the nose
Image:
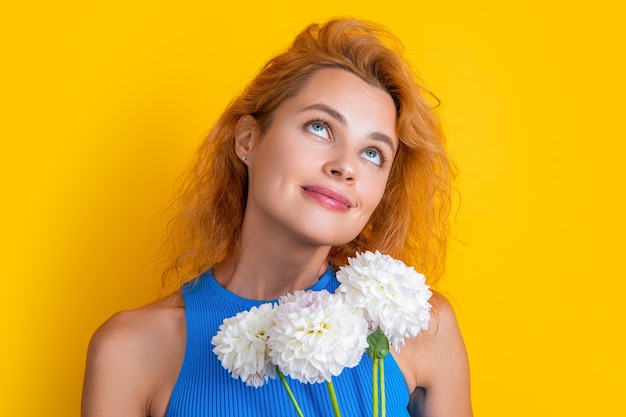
(340, 167)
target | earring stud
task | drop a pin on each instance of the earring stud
(243, 157)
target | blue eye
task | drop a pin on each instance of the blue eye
(373, 155)
(318, 128)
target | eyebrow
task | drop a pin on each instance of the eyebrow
(339, 117)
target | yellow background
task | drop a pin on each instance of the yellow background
(104, 102)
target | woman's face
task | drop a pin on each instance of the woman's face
(321, 168)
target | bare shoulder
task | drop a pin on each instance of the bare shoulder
(134, 359)
(436, 364)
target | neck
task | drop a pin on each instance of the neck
(265, 269)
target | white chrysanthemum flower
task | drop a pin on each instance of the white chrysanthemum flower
(241, 345)
(393, 295)
(316, 335)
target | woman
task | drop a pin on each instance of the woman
(331, 150)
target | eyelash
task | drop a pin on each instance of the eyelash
(320, 122)
(381, 153)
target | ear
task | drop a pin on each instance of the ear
(247, 135)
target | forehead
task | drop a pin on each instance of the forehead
(361, 104)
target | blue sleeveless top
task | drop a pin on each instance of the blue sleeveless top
(204, 388)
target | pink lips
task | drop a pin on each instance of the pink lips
(328, 198)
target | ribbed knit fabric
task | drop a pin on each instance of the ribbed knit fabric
(204, 388)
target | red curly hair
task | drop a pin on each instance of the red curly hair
(411, 221)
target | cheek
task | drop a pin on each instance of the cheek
(277, 165)
(374, 191)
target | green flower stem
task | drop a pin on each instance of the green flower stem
(375, 387)
(289, 392)
(333, 398)
(383, 406)
(377, 349)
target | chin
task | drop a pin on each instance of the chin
(327, 234)
(331, 241)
